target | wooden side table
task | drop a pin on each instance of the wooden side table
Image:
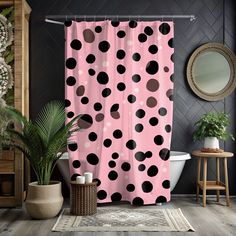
(212, 185)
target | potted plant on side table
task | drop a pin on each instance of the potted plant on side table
(43, 142)
(211, 128)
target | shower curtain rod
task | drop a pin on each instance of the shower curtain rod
(53, 18)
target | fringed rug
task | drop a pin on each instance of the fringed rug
(121, 219)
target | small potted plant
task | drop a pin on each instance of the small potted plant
(211, 128)
(43, 142)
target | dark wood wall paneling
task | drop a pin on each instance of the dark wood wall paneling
(213, 24)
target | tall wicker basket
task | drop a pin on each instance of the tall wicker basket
(83, 199)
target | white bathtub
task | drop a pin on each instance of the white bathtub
(177, 161)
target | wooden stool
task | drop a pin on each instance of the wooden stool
(212, 185)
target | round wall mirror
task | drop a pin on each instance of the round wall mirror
(211, 71)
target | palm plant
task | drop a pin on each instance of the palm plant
(44, 140)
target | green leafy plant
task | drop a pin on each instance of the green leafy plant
(44, 140)
(212, 125)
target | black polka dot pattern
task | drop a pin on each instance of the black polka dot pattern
(73, 147)
(121, 69)
(120, 54)
(121, 34)
(84, 100)
(67, 103)
(92, 136)
(68, 23)
(104, 46)
(106, 92)
(102, 78)
(73, 177)
(142, 38)
(161, 199)
(130, 187)
(92, 159)
(107, 143)
(131, 98)
(166, 184)
(76, 164)
(141, 167)
(153, 49)
(138, 201)
(136, 56)
(152, 67)
(133, 24)
(76, 44)
(71, 63)
(140, 156)
(123, 89)
(136, 78)
(98, 29)
(152, 171)
(112, 175)
(70, 81)
(164, 28)
(140, 113)
(90, 58)
(70, 114)
(97, 106)
(147, 186)
(139, 128)
(158, 140)
(148, 30)
(117, 134)
(164, 154)
(101, 194)
(116, 197)
(112, 164)
(131, 144)
(125, 166)
(115, 23)
(121, 86)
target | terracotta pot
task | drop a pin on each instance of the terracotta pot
(44, 201)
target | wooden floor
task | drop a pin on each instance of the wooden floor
(215, 219)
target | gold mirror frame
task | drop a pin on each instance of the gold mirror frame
(229, 56)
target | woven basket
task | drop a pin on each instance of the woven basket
(83, 199)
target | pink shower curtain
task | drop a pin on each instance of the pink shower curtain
(119, 76)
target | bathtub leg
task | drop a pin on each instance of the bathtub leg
(198, 177)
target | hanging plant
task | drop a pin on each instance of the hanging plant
(6, 78)
(6, 33)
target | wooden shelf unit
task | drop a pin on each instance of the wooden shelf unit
(21, 171)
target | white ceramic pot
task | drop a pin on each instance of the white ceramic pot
(44, 201)
(211, 142)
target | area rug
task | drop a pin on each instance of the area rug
(120, 219)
